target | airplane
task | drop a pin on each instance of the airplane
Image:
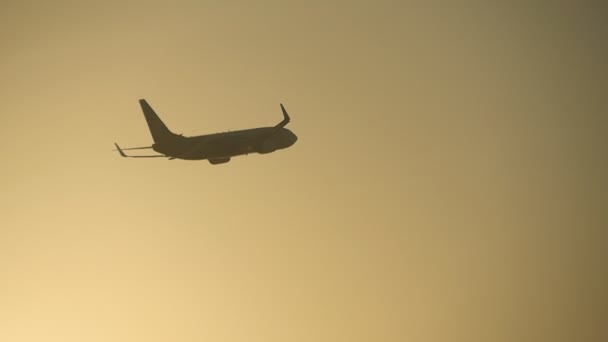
(217, 148)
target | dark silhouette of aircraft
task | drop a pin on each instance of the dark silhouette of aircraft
(217, 148)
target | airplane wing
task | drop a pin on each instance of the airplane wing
(136, 148)
(122, 154)
(286, 120)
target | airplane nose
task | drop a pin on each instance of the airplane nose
(294, 138)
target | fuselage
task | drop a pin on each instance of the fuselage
(220, 147)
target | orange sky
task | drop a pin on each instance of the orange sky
(448, 183)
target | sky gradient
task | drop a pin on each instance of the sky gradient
(448, 184)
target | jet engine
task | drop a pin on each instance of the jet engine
(215, 161)
(267, 147)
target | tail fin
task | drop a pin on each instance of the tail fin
(158, 129)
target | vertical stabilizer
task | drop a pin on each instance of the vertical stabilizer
(158, 129)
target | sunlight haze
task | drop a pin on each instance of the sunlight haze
(448, 182)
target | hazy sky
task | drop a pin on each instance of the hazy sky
(448, 184)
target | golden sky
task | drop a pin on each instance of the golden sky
(448, 184)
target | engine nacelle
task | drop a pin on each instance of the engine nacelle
(267, 147)
(216, 161)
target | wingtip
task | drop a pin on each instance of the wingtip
(120, 150)
(285, 115)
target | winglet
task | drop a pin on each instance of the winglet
(119, 150)
(286, 117)
(283, 123)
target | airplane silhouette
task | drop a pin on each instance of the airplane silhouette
(217, 148)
